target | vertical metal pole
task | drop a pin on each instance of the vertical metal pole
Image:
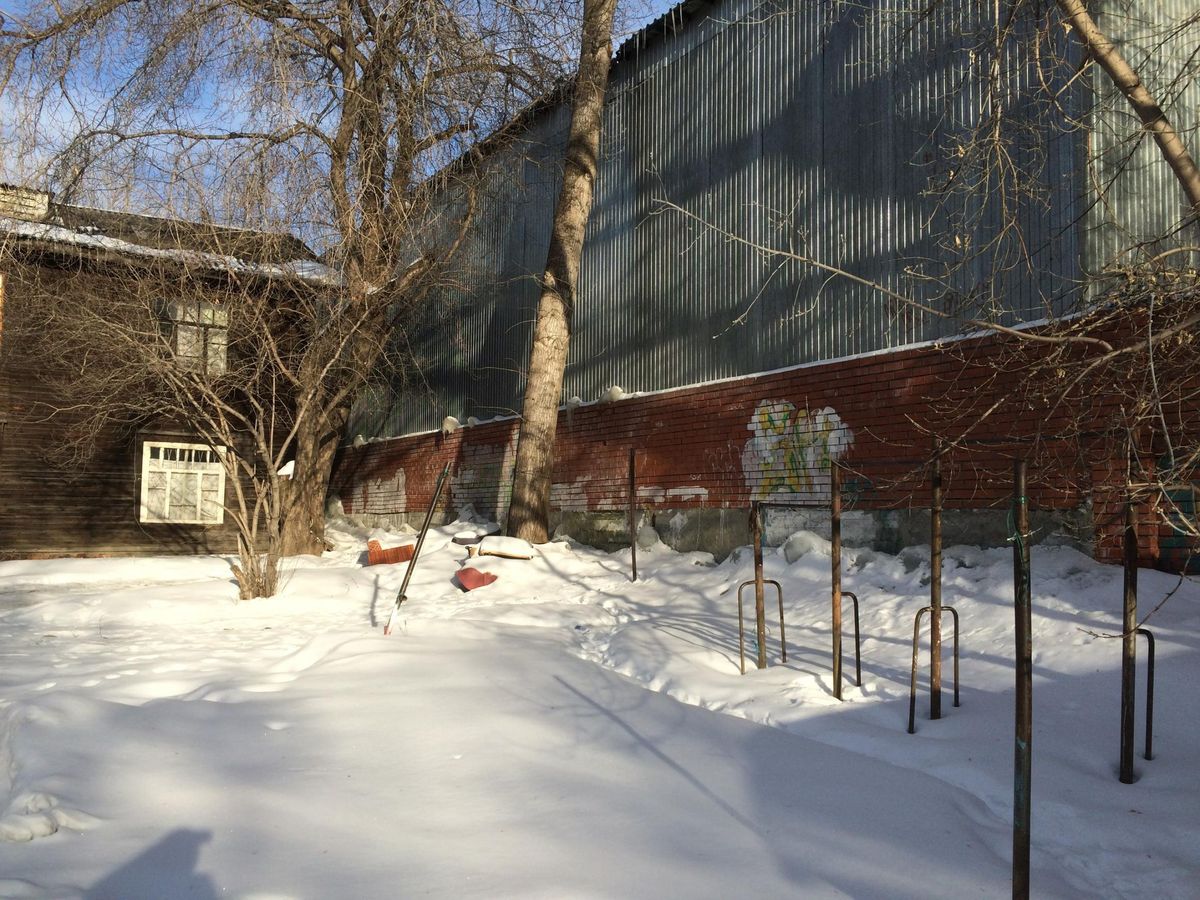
(835, 554)
(1129, 643)
(633, 512)
(760, 610)
(1023, 750)
(935, 586)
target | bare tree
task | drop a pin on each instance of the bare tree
(529, 513)
(1149, 111)
(354, 122)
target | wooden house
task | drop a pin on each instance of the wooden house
(73, 483)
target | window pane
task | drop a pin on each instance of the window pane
(189, 344)
(210, 499)
(154, 452)
(217, 342)
(156, 495)
(185, 496)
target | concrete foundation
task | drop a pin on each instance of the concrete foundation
(721, 531)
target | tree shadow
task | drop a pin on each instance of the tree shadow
(166, 869)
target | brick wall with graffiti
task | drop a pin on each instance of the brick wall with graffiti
(773, 438)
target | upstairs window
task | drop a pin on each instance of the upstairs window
(182, 483)
(199, 334)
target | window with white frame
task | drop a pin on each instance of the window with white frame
(199, 334)
(182, 483)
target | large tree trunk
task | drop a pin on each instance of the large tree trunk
(1153, 119)
(529, 513)
(303, 527)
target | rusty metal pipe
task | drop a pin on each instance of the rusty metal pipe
(760, 609)
(912, 678)
(741, 624)
(1145, 632)
(935, 585)
(1129, 643)
(835, 554)
(1023, 715)
(857, 638)
(633, 512)
(741, 633)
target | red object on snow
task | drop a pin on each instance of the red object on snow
(473, 578)
(377, 556)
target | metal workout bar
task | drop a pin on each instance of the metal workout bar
(935, 609)
(835, 483)
(835, 559)
(1129, 632)
(760, 614)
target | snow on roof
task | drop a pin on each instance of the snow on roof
(308, 270)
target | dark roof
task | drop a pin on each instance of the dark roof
(175, 234)
(33, 219)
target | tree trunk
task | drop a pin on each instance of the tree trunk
(303, 527)
(529, 512)
(1153, 119)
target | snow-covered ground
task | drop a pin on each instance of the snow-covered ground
(564, 733)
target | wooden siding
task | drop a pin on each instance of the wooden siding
(48, 508)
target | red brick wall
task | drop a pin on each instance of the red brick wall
(690, 445)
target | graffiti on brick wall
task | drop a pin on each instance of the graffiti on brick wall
(790, 453)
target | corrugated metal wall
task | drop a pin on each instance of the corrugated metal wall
(814, 127)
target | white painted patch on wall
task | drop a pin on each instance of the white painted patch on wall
(569, 496)
(651, 494)
(688, 493)
(789, 456)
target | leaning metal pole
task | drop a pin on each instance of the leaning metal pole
(1023, 750)
(1129, 643)
(935, 586)
(835, 554)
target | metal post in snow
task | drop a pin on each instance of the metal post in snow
(633, 511)
(760, 609)
(1129, 642)
(835, 554)
(1023, 749)
(935, 585)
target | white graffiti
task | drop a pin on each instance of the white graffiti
(790, 453)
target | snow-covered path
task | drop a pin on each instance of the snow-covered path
(158, 741)
(506, 768)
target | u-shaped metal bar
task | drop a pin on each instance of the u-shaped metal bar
(742, 624)
(857, 638)
(1145, 632)
(912, 683)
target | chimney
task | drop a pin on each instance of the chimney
(23, 203)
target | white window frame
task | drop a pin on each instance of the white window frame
(180, 462)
